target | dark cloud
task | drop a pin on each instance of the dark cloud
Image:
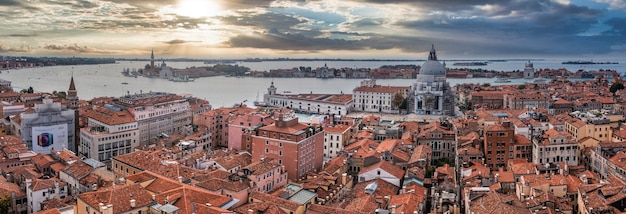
(263, 21)
(77, 49)
(179, 41)
(22, 35)
(245, 4)
(618, 27)
(18, 4)
(143, 22)
(288, 41)
(224, 4)
(77, 4)
(366, 23)
(437, 4)
(18, 49)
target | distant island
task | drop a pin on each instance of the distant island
(582, 62)
(8, 62)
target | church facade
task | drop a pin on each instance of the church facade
(431, 93)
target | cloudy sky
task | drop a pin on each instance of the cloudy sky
(381, 29)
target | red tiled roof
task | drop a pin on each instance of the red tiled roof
(420, 152)
(40, 184)
(50, 211)
(6, 188)
(394, 170)
(110, 117)
(78, 169)
(280, 202)
(119, 197)
(287, 130)
(387, 145)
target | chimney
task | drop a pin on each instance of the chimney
(109, 209)
(29, 182)
(506, 124)
(403, 189)
(393, 209)
(132, 203)
(153, 197)
(280, 123)
(344, 178)
(208, 204)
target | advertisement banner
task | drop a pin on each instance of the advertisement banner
(47, 137)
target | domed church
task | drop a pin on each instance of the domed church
(432, 95)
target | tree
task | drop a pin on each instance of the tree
(397, 100)
(520, 87)
(5, 204)
(28, 90)
(404, 104)
(616, 87)
(60, 94)
(147, 66)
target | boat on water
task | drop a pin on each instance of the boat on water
(124, 83)
(470, 63)
(286, 92)
(260, 104)
(502, 80)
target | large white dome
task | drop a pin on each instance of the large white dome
(432, 67)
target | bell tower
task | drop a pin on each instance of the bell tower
(152, 59)
(72, 103)
(72, 96)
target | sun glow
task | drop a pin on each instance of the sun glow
(197, 8)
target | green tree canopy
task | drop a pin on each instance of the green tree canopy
(5, 204)
(398, 98)
(616, 87)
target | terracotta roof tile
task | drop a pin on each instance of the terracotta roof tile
(387, 145)
(50, 211)
(78, 169)
(280, 202)
(40, 184)
(6, 188)
(421, 152)
(118, 196)
(177, 194)
(394, 170)
(110, 117)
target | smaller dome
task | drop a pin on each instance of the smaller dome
(432, 67)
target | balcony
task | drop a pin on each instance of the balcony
(98, 130)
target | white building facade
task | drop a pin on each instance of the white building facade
(50, 126)
(331, 104)
(432, 93)
(335, 138)
(558, 147)
(529, 70)
(369, 97)
(108, 134)
(40, 190)
(157, 113)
